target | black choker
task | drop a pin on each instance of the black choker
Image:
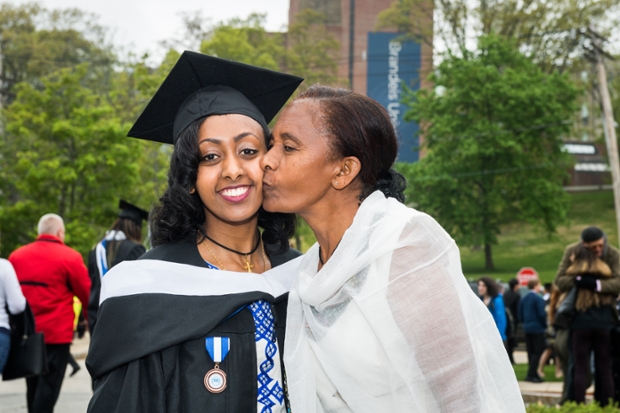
(235, 251)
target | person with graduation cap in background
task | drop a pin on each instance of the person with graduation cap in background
(197, 323)
(123, 241)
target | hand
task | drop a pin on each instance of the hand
(81, 329)
(586, 282)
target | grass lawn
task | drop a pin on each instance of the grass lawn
(521, 372)
(524, 245)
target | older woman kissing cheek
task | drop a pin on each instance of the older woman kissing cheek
(380, 318)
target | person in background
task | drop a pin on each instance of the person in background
(534, 318)
(546, 292)
(594, 239)
(50, 274)
(79, 328)
(615, 356)
(550, 334)
(11, 297)
(560, 345)
(590, 327)
(123, 241)
(488, 290)
(511, 301)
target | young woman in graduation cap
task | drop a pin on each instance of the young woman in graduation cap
(197, 323)
(122, 242)
(381, 318)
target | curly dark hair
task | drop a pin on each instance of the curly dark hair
(359, 126)
(180, 215)
(492, 287)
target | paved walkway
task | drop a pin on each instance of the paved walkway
(548, 392)
(76, 391)
(74, 395)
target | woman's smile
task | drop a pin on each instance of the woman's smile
(235, 193)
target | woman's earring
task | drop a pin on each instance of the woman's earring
(336, 183)
(192, 191)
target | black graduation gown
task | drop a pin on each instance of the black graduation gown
(148, 352)
(127, 250)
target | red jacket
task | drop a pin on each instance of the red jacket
(50, 274)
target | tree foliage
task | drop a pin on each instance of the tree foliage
(246, 41)
(35, 42)
(492, 129)
(307, 50)
(546, 30)
(64, 152)
(312, 51)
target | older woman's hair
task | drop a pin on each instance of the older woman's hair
(492, 287)
(180, 215)
(359, 126)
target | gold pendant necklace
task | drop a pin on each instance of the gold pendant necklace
(262, 245)
(246, 255)
(248, 266)
(214, 256)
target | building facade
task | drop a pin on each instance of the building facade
(376, 63)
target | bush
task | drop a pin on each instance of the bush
(573, 408)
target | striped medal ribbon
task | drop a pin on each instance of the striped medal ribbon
(217, 347)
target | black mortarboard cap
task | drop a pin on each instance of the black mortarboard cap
(132, 212)
(199, 85)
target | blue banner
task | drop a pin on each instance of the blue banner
(392, 62)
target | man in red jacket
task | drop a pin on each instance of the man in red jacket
(50, 274)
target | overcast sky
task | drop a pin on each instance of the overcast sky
(143, 23)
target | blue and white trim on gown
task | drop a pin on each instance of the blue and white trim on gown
(269, 376)
(269, 373)
(101, 250)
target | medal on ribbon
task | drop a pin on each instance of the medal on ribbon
(217, 347)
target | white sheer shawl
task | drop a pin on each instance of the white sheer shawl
(390, 324)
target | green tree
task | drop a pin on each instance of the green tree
(307, 49)
(492, 130)
(131, 88)
(35, 42)
(546, 30)
(246, 41)
(312, 51)
(63, 151)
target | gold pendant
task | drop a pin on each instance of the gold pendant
(248, 266)
(215, 379)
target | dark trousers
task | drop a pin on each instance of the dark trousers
(615, 369)
(510, 345)
(584, 342)
(535, 343)
(43, 390)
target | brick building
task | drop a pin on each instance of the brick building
(380, 62)
(365, 19)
